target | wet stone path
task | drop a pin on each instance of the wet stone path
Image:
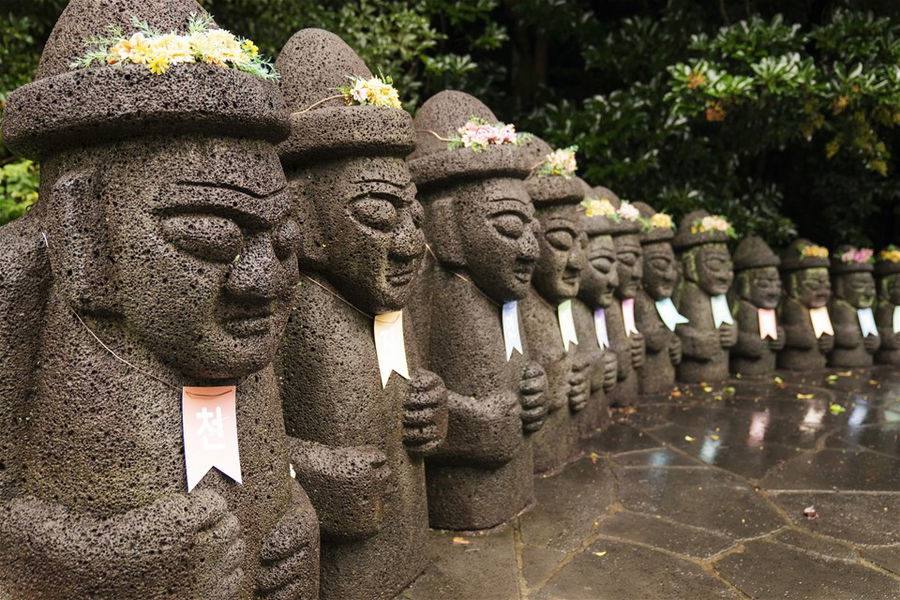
(787, 487)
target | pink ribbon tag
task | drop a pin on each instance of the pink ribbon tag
(628, 316)
(600, 328)
(768, 326)
(821, 322)
(210, 432)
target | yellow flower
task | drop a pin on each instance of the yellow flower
(814, 252)
(135, 49)
(598, 208)
(158, 65)
(561, 162)
(374, 91)
(217, 47)
(176, 48)
(250, 48)
(661, 221)
(890, 255)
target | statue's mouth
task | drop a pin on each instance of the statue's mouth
(401, 276)
(249, 324)
(523, 271)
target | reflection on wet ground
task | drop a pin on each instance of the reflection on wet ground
(787, 487)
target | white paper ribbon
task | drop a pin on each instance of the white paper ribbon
(821, 321)
(768, 324)
(628, 317)
(720, 311)
(209, 425)
(390, 346)
(600, 328)
(511, 338)
(866, 322)
(670, 316)
(897, 319)
(566, 323)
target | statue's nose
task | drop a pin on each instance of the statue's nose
(257, 274)
(409, 240)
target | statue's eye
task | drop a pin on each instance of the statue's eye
(660, 264)
(627, 258)
(509, 224)
(377, 213)
(602, 264)
(205, 236)
(285, 239)
(560, 239)
(715, 264)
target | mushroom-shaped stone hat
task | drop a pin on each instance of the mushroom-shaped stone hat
(700, 227)
(753, 252)
(73, 102)
(657, 226)
(313, 65)
(597, 217)
(803, 254)
(888, 261)
(850, 259)
(545, 186)
(626, 217)
(442, 155)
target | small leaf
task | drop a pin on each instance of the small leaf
(461, 540)
(601, 553)
(689, 438)
(805, 396)
(836, 409)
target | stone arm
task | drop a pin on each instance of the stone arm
(656, 334)
(749, 344)
(609, 369)
(696, 343)
(884, 319)
(346, 485)
(622, 346)
(181, 546)
(798, 331)
(846, 327)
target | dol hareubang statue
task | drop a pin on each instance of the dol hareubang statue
(655, 312)
(856, 336)
(359, 432)
(808, 332)
(757, 291)
(480, 223)
(707, 271)
(596, 292)
(167, 236)
(887, 314)
(546, 309)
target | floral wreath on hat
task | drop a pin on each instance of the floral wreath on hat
(660, 220)
(713, 223)
(812, 251)
(561, 162)
(890, 254)
(860, 256)
(160, 51)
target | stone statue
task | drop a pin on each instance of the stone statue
(856, 336)
(757, 292)
(599, 279)
(624, 335)
(887, 314)
(169, 257)
(481, 226)
(808, 332)
(359, 430)
(546, 308)
(701, 242)
(655, 312)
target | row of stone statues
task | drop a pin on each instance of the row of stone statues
(369, 324)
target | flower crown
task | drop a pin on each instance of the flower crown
(477, 134)
(560, 162)
(603, 207)
(859, 256)
(890, 254)
(160, 51)
(660, 221)
(377, 91)
(813, 251)
(713, 223)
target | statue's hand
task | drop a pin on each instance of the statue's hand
(637, 350)
(579, 383)
(871, 343)
(728, 335)
(675, 350)
(425, 413)
(290, 557)
(826, 343)
(532, 396)
(610, 368)
(181, 546)
(779, 343)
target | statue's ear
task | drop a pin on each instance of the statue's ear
(312, 251)
(443, 233)
(77, 239)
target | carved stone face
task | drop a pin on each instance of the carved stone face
(205, 250)
(857, 289)
(810, 287)
(371, 226)
(495, 226)
(660, 270)
(890, 288)
(629, 265)
(714, 269)
(761, 287)
(558, 269)
(599, 278)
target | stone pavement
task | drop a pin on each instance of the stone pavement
(768, 489)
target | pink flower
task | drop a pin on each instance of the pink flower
(863, 255)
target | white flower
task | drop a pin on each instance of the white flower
(628, 211)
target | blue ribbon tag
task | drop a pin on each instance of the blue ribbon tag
(511, 338)
(866, 322)
(666, 310)
(720, 311)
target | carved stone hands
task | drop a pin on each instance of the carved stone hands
(532, 397)
(826, 343)
(183, 545)
(579, 383)
(425, 413)
(871, 343)
(610, 368)
(779, 343)
(728, 334)
(288, 554)
(675, 350)
(637, 349)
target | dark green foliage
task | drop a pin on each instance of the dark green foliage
(780, 115)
